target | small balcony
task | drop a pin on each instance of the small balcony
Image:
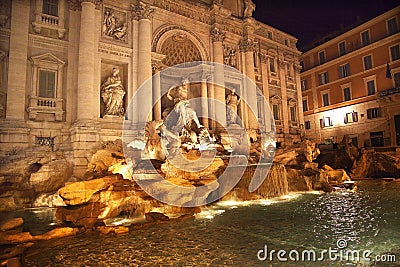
(49, 22)
(42, 105)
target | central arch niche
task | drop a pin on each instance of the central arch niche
(179, 49)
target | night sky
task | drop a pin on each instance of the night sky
(308, 20)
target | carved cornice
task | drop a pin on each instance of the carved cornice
(76, 4)
(47, 43)
(115, 50)
(247, 45)
(197, 13)
(217, 35)
(141, 10)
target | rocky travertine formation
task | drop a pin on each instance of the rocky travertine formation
(376, 165)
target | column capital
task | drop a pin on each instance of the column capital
(264, 58)
(157, 66)
(297, 67)
(247, 45)
(217, 35)
(282, 62)
(141, 10)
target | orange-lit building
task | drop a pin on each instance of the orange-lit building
(351, 85)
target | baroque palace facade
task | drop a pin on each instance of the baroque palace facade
(351, 85)
(57, 57)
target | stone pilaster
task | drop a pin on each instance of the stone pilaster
(211, 104)
(265, 82)
(156, 65)
(297, 69)
(217, 37)
(204, 101)
(18, 54)
(247, 47)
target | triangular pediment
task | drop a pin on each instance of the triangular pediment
(48, 58)
(275, 99)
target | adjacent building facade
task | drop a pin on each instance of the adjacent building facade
(58, 56)
(351, 85)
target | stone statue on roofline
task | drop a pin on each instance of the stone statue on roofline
(249, 8)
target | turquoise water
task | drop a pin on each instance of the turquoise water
(231, 234)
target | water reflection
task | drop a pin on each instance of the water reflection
(231, 235)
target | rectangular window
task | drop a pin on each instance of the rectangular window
(325, 122)
(272, 65)
(344, 70)
(374, 113)
(307, 125)
(323, 78)
(269, 35)
(396, 78)
(392, 26)
(371, 87)
(351, 117)
(346, 94)
(305, 105)
(293, 114)
(50, 7)
(395, 52)
(321, 56)
(275, 110)
(302, 64)
(365, 40)
(342, 48)
(325, 100)
(304, 85)
(367, 62)
(47, 84)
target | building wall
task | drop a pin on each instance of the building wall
(75, 46)
(379, 50)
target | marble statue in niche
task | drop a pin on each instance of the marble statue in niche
(112, 93)
(114, 25)
(232, 102)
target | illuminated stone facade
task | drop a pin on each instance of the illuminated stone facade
(57, 59)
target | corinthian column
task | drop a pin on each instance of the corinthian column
(87, 39)
(247, 46)
(219, 90)
(144, 13)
